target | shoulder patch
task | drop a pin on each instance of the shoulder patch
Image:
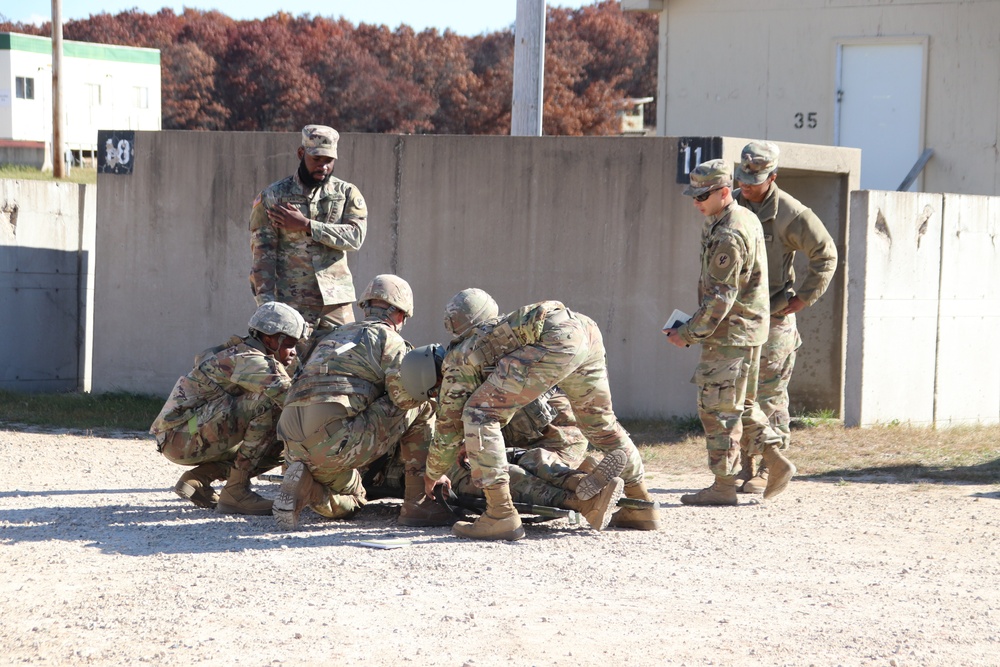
(722, 260)
(257, 200)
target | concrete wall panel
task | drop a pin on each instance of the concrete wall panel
(599, 223)
(894, 263)
(46, 241)
(968, 363)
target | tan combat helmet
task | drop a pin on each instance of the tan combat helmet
(274, 317)
(420, 370)
(467, 309)
(392, 289)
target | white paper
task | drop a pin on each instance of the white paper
(344, 348)
(677, 318)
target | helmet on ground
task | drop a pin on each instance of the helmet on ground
(392, 289)
(419, 370)
(467, 309)
(274, 317)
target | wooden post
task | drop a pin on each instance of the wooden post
(529, 69)
(58, 158)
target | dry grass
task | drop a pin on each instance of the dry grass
(21, 172)
(824, 448)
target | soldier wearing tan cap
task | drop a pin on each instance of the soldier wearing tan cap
(789, 227)
(731, 325)
(301, 229)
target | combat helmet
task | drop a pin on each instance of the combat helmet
(274, 317)
(420, 369)
(392, 289)
(467, 309)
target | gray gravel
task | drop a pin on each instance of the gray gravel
(103, 565)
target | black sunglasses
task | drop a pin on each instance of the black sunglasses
(705, 195)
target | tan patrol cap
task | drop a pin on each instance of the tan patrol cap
(709, 176)
(320, 140)
(759, 159)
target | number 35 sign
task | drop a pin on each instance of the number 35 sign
(115, 151)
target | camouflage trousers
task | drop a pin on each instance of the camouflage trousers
(525, 487)
(335, 451)
(224, 428)
(537, 477)
(777, 360)
(727, 405)
(570, 353)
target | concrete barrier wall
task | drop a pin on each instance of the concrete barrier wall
(47, 233)
(598, 223)
(923, 308)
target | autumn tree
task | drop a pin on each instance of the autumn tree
(188, 73)
(263, 77)
(282, 72)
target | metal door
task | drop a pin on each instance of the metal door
(880, 102)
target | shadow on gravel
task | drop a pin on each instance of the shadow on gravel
(983, 473)
(164, 525)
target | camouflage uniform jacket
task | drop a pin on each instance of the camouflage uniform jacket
(732, 291)
(353, 365)
(462, 373)
(239, 366)
(307, 269)
(790, 226)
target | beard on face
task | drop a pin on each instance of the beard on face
(307, 179)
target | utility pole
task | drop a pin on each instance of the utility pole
(529, 69)
(58, 159)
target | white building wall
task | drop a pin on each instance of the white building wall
(737, 68)
(104, 87)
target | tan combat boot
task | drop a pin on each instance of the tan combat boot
(298, 491)
(599, 509)
(500, 521)
(196, 484)
(610, 467)
(779, 471)
(747, 471)
(722, 492)
(418, 509)
(637, 519)
(758, 482)
(238, 498)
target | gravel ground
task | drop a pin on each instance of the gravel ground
(103, 565)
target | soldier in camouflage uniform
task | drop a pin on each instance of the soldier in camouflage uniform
(421, 376)
(789, 227)
(221, 416)
(301, 229)
(731, 325)
(504, 366)
(347, 408)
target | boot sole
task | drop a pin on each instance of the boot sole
(608, 511)
(188, 492)
(283, 508)
(611, 466)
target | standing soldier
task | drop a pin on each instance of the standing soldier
(789, 226)
(347, 408)
(301, 229)
(501, 368)
(221, 416)
(731, 325)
